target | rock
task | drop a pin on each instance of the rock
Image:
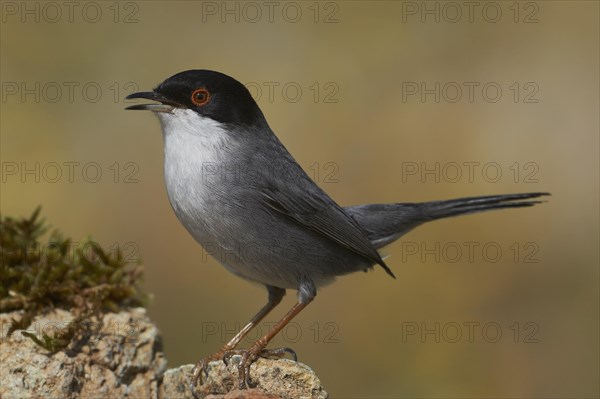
(245, 394)
(121, 357)
(277, 379)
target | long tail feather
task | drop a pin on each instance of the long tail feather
(385, 223)
(441, 209)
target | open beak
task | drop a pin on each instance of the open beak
(165, 105)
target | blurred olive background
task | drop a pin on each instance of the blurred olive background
(356, 129)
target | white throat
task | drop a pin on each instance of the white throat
(191, 138)
(190, 125)
(192, 143)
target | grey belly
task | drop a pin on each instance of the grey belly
(260, 245)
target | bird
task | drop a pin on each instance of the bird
(242, 196)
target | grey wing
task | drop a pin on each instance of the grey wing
(385, 223)
(313, 209)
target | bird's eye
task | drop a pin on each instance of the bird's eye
(200, 97)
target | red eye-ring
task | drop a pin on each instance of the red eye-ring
(200, 97)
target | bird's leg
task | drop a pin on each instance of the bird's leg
(258, 349)
(306, 294)
(275, 296)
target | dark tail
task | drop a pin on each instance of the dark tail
(385, 223)
(442, 209)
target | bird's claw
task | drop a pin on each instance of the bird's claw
(230, 353)
(201, 369)
(278, 353)
(250, 355)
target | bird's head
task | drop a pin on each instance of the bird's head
(208, 94)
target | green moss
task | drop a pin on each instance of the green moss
(80, 277)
